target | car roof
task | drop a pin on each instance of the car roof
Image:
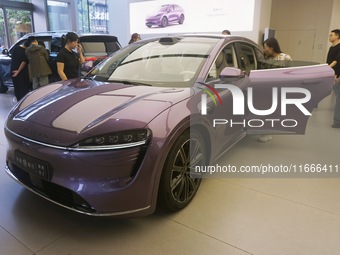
(212, 36)
(93, 37)
(88, 37)
(47, 33)
(54, 36)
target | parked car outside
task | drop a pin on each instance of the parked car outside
(164, 15)
(95, 47)
(130, 135)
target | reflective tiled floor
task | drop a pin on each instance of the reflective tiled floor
(228, 216)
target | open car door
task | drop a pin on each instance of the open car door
(281, 100)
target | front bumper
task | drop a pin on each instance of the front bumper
(73, 202)
(108, 183)
(153, 22)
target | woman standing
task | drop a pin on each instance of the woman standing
(272, 52)
(68, 61)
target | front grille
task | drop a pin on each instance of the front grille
(52, 191)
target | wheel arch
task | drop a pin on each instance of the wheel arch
(180, 129)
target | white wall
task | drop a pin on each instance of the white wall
(261, 21)
(302, 27)
(40, 15)
(335, 16)
(119, 20)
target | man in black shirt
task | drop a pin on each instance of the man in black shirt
(333, 59)
(19, 70)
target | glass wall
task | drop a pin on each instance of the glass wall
(19, 23)
(93, 16)
(58, 15)
(3, 38)
(16, 17)
(15, 21)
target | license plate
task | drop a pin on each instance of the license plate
(32, 165)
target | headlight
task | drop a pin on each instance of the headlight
(112, 141)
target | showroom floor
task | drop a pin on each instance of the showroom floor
(236, 216)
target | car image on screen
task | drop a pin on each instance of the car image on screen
(164, 15)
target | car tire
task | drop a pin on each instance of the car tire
(177, 186)
(148, 26)
(164, 22)
(181, 19)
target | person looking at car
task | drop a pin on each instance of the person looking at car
(19, 69)
(134, 38)
(333, 60)
(272, 52)
(39, 68)
(69, 61)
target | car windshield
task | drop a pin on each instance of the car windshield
(168, 62)
(163, 8)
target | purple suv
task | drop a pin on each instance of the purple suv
(164, 15)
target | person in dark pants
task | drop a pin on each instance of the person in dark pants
(333, 60)
(19, 70)
(68, 61)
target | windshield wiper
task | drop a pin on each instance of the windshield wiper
(127, 82)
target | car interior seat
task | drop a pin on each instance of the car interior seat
(246, 64)
(220, 63)
(218, 66)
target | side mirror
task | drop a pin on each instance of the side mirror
(5, 52)
(87, 66)
(232, 73)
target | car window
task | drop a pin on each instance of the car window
(226, 57)
(247, 57)
(163, 8)
(19, 42)
(156, 63)
(99, 48)
(261, 62)
(45, 39)
(94, 47)
(55, 44)
(160, 64)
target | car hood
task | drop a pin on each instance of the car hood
(63, 113)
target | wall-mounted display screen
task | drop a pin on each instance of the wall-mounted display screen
(191, 16)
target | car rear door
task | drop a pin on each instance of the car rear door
(95, 46)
